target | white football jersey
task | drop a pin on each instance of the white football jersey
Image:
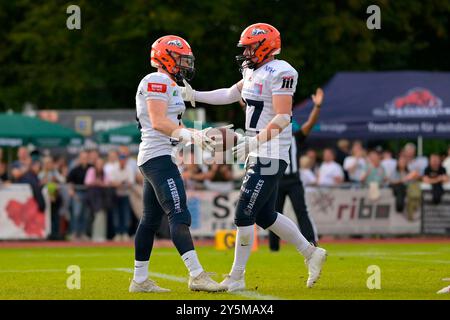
(276, 77)
(158, 86)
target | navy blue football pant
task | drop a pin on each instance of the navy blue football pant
(291, 186)
(164, 193)
(259, 192)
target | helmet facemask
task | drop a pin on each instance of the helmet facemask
(246, 60)
(184, 63)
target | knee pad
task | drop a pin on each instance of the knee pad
(243, 216)
(266, 220)
(180, 217)
(151, 224)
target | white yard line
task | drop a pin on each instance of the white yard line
(245, 294)
(374, 253)
(30, 270)
(414, 260)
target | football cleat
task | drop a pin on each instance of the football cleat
(203, 282)
(315, 264)
(146, 286)
(232, 284)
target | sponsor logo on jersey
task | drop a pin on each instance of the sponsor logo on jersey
(288, 82)
(258, 88)
(269, 69)
(157, 87)
(176, 43)
(256, 32)
(175, 93)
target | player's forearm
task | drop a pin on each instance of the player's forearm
(168, 127)
(273, 129)
(219, 96)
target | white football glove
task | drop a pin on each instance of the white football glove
(202, 140)
(213, 143)
(187, 93)
(244, 146)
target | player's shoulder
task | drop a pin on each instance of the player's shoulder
(157, 77)
(278, 67)
(158, 82)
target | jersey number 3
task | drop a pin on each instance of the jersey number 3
(258, 105)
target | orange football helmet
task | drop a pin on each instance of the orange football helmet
(261, 40)
(173, 54)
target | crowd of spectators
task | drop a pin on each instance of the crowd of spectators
(363, 167)
(91, 192)
(355, 166)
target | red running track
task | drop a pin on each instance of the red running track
(209, 242)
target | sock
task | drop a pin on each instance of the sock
(190, 259)
(140, 271)
(243, 247)
(287, 230)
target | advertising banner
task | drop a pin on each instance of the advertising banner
(435, 217)
(20, 217)
(334, 211)
(350, 211)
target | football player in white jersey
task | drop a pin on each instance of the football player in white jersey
(267, 88)
(159, 108)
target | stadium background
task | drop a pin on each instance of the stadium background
(46, 67)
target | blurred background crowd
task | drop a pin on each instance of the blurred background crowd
(99, 197)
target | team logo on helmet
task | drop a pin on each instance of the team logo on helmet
(256, 32)
(176, 43)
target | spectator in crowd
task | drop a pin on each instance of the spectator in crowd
(374, 172)
(31, 177)
(220, 173)
(96, 197)
(388, 163)
(76, 177)
(21, 165)
(356, 164)
(399, 180)
(61, 166)
(330, 172)
(63, 189)
(112, 162)
(51, 178)
(219, 176)
(312, 155)
(417, 164)
(342, 150)
(49, 172)
(131, 162)
(446, 163)
(307, 176)
(435, 175)
(93, 155)
(122, 179)
(3, 169)
(193, 174)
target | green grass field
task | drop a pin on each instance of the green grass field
(408, 271)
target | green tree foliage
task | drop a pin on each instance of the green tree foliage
(100, 65)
